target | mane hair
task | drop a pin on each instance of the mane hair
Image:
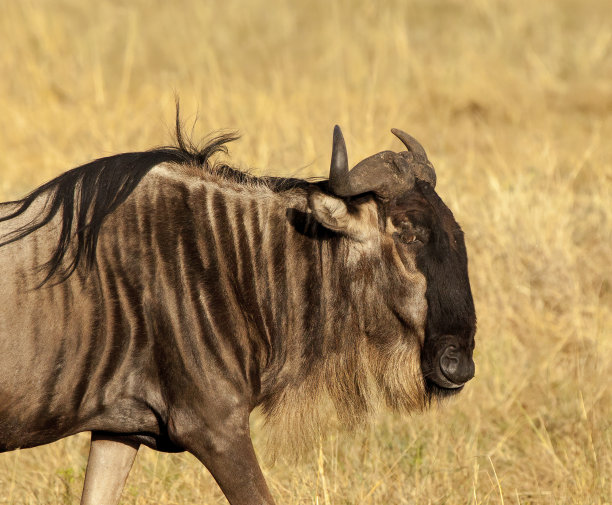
(86, 195)
(345, 393)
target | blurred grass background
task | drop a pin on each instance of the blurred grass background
(513, 101)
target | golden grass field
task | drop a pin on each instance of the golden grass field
(513, 101)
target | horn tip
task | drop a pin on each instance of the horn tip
(398, 133)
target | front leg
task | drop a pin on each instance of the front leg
(110, 461)
(236, 470)
(228, 454)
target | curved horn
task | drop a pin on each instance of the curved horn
(376, 174)
(385, 173)
(423, 170)
(410, 142)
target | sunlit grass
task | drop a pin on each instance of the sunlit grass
(513, 101)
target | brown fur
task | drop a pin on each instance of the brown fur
(187, 294)
(346, 393)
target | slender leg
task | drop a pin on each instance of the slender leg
(234, 466)
(110, 461)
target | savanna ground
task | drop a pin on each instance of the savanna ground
(512, 99)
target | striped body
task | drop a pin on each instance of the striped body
(198, 278)
(185, 295)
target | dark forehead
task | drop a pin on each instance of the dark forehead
(422, 205)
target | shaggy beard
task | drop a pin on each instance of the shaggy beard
(344, 392)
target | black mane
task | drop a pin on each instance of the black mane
(86, 195)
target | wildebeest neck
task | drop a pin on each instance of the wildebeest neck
(269, 287)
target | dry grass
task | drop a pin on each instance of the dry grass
(513, 100)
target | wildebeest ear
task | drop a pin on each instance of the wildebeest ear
(333, 213)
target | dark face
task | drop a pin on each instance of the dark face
(425, 232)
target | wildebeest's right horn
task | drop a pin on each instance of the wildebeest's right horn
(382, 173)
(410, 142)
(425, 170)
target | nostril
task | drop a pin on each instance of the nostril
(456, 365)
(449, 362)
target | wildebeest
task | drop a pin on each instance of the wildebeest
(157, 298)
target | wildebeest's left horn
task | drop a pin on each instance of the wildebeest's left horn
(339, 169)
(425, 171)
(378, 174)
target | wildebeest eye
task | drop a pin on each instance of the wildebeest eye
(409, 238)
(413, 235)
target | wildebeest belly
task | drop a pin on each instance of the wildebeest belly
(65, 365)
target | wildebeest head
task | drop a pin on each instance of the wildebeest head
(387, 205)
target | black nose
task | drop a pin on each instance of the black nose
(456, 365)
